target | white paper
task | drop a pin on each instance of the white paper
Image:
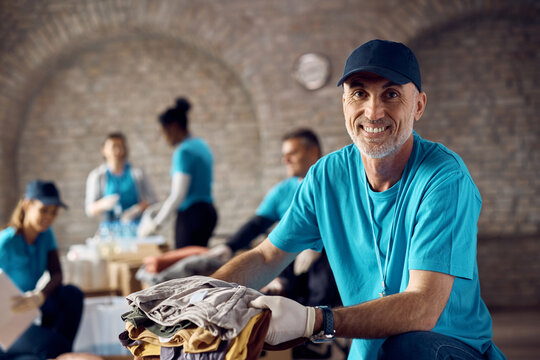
(12, 325)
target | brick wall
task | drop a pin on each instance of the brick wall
(72, 71)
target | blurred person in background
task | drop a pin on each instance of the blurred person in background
(300, 149)
(115, 190)
(191, 188)
(27, 250)
(308, 279)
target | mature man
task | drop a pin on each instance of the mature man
(397, 216)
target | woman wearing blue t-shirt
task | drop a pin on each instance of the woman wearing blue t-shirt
(116, 190)
(28, 249)
(192, 176)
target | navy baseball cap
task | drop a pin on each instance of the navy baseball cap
(44, 191)
(391, 60)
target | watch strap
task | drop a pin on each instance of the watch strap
(328, 331)
(328, 320)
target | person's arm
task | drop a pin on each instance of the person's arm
(418, 308)
(256, 267)
(254, 227)
(35, 298)
(55, 272)
(92, 194)
(179, 187)
(95, 204)
(147, 194)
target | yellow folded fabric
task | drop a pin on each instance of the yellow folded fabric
(239, 345)
(200, 340)
(145, 349)
(194, 339)
(141, 334)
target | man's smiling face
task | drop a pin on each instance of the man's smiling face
(379, 114)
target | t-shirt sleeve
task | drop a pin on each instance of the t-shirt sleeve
(444, 238)
(298, 229)
(268, 208)
(182, 161)
(4, 236)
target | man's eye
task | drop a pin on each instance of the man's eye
(358, 93)
(392, 94)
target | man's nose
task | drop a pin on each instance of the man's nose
(374, 109)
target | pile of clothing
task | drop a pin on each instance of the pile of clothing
(197, 317)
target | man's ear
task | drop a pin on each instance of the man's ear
(421, 101)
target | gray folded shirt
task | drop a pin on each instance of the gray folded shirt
(219, 306)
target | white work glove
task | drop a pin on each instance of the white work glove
(147, 228)
(131, 213)
(304, 260)
(221, 251)
(290, 320)
(27, 301)
(108, 202)
(274, 287)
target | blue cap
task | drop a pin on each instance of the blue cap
(44, 191)
(391, 60)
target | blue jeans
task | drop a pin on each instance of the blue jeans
(62, 311)
(420, 345)
(61, 314)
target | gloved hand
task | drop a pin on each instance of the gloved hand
(290, 320)
(221, 251)
(131, 213)
(146, 228)
(107, 203)
(27, 301)
(304, 260)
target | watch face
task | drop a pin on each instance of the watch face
(312, 71)
(322, 337)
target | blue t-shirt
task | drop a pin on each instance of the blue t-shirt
(435, 229)
(193, 157)
(124, 186)
(277, 200)
(23, 263)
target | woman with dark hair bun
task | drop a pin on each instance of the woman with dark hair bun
(191, 188)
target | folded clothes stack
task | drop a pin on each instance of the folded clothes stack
(195, 318)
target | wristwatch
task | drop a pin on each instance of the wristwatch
(327, 333)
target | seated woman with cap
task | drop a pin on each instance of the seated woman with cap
(28, 249)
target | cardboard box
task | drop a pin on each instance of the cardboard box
(122, 276)
(122, 266)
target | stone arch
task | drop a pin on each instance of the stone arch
(123, 83)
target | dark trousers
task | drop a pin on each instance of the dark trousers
(195, 225)
(420, 345)
(61, 315)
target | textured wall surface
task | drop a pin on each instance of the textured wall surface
(72, 71)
